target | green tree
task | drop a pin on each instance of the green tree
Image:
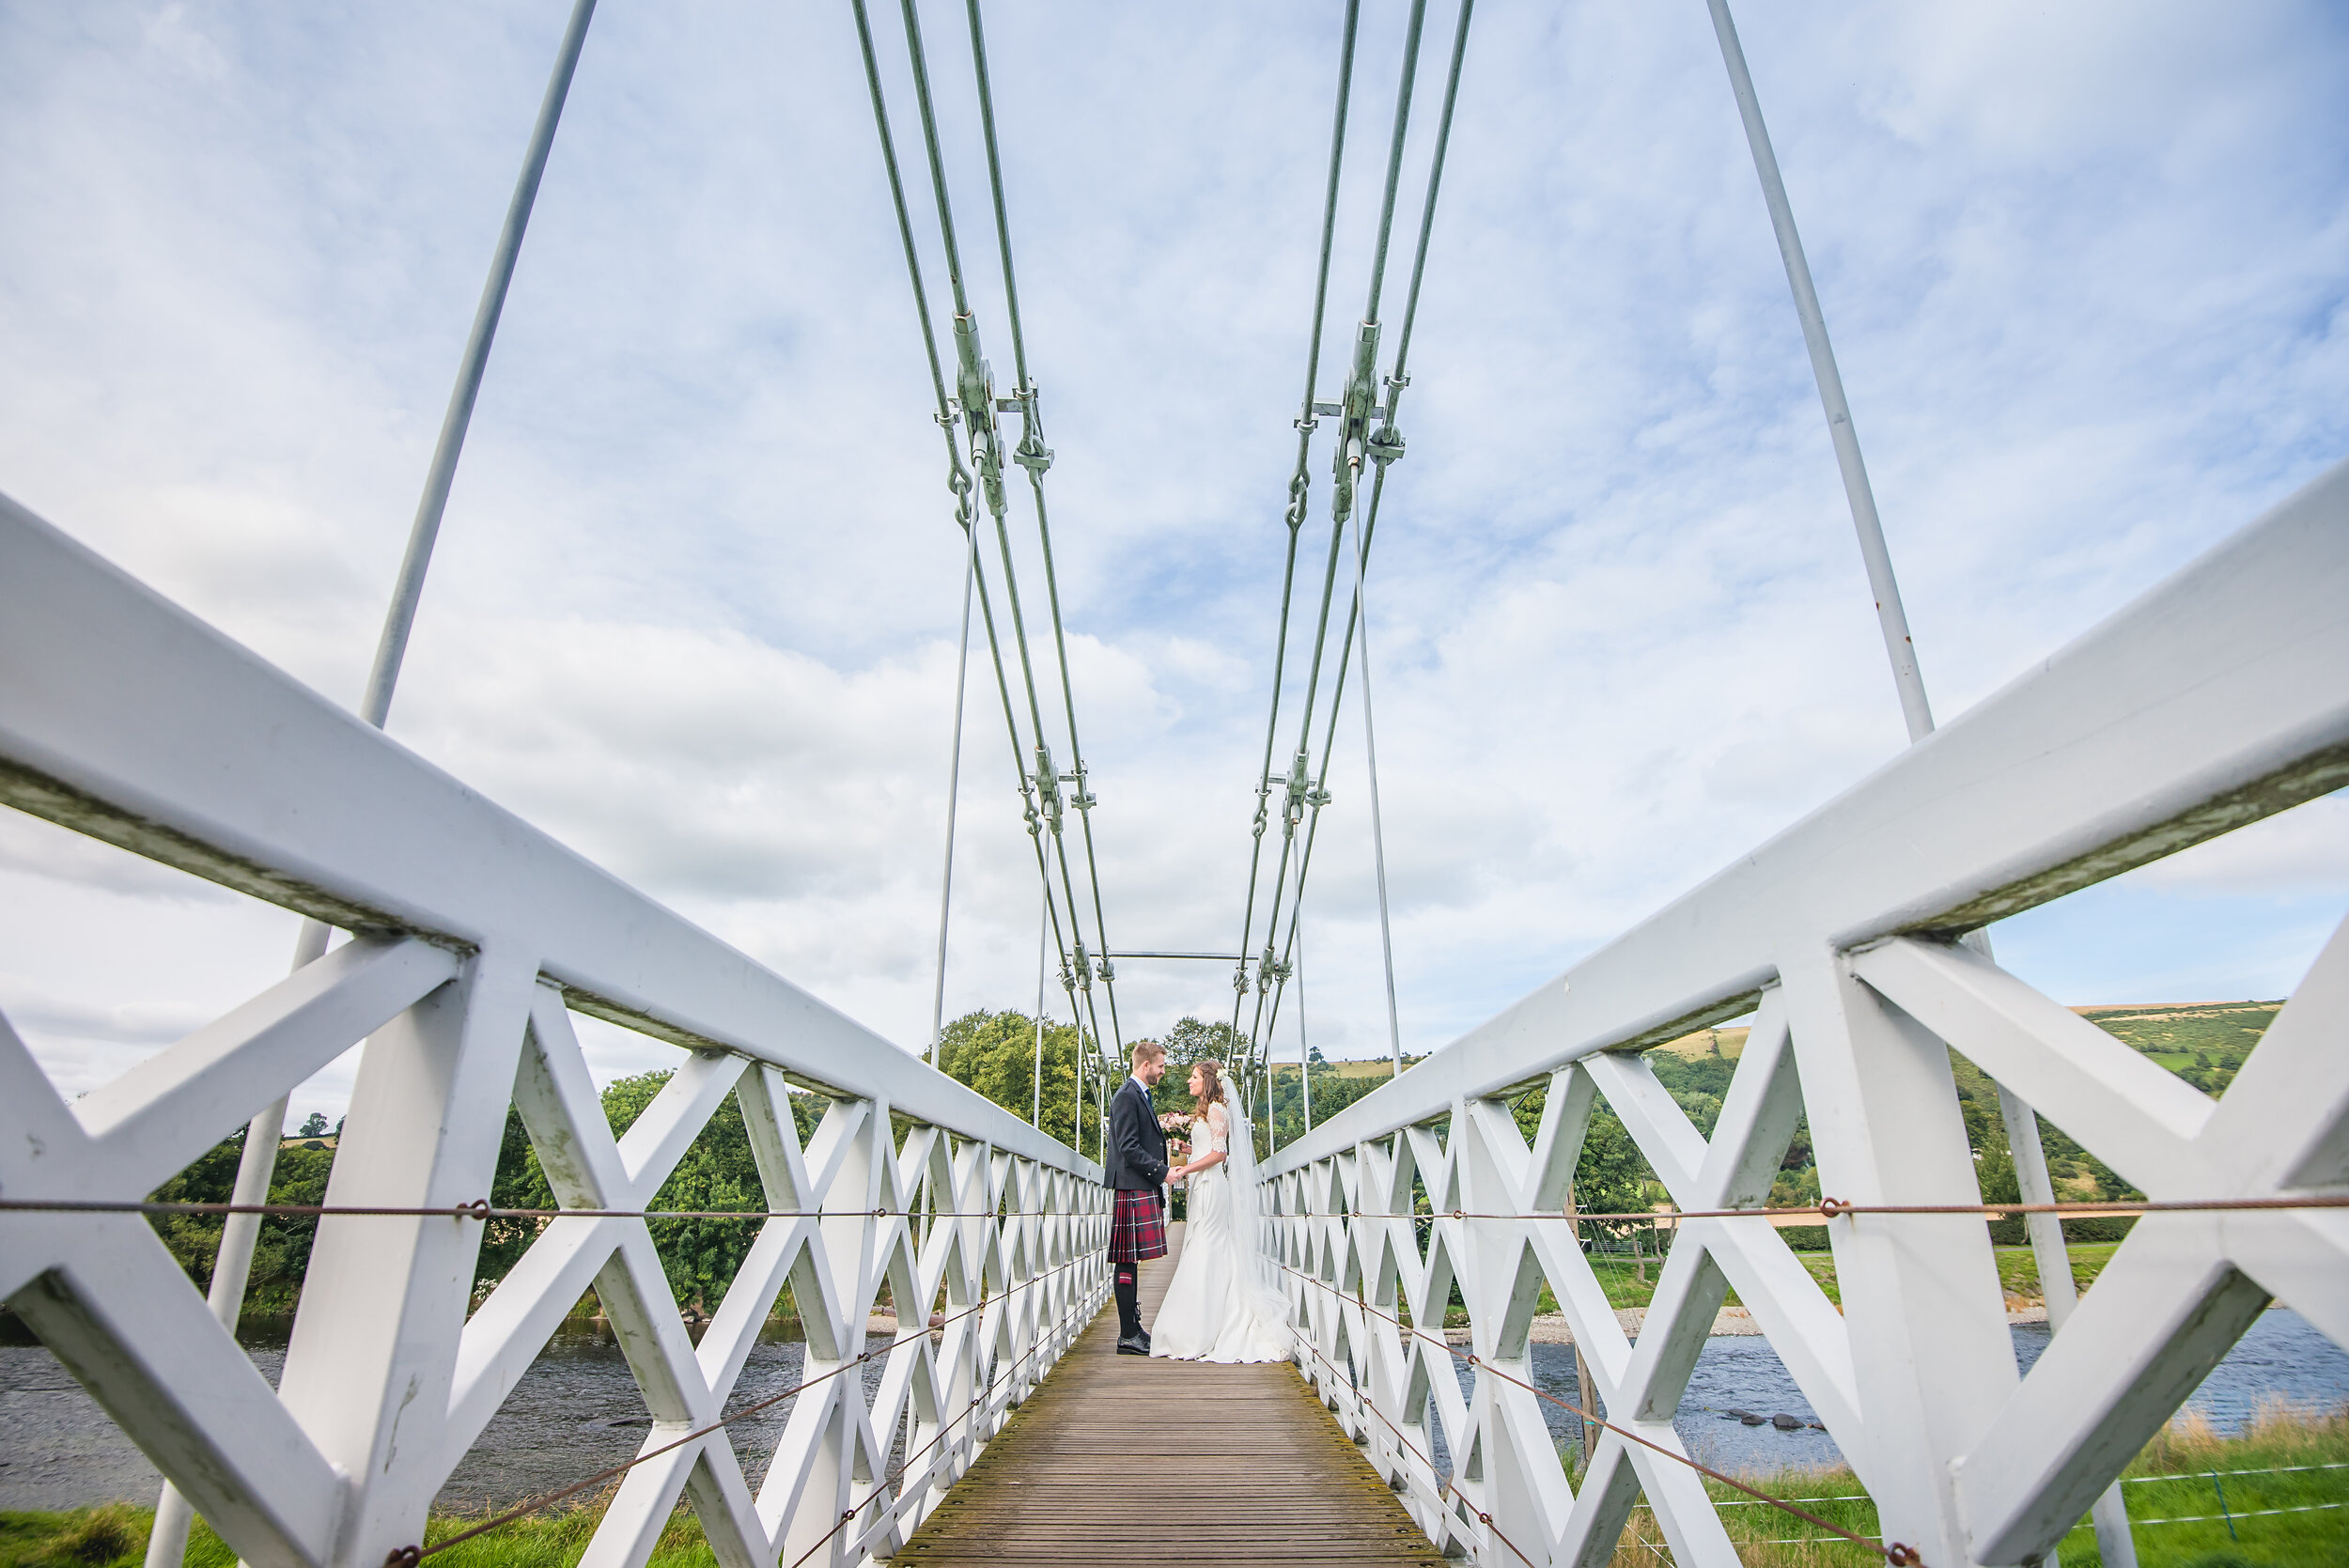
(995, 1053)
(282, 1250)
(718, 1173)
(1191, 1041)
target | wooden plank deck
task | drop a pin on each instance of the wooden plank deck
(1121, 1460)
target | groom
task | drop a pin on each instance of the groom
(1136, 1167)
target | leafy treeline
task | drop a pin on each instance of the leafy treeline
(995, 1053)
(283, 1251)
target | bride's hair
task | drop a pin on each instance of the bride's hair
(1212, 1072)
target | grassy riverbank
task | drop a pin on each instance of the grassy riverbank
(1620, 1275)
(2174, 1502)
(115, 1537)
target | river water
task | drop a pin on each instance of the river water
(576, 1411)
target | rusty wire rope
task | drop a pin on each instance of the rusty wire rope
(1894, 1552)
(1443, 1487)
(1837, 1208)
(907, 1463)
(481, 1208)
(1826, 1209)
(408, 1557)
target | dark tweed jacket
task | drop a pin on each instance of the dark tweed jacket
(1137, 1145)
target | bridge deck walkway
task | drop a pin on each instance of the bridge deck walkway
(1121, 1461)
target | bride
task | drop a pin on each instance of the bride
(1222, 1304)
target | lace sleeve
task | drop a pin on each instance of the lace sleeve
(1219, 1129)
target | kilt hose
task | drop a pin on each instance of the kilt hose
(1137, 1227)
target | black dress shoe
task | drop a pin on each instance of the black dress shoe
(1135, 1347)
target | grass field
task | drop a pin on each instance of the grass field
(115, 1537)
(2170, 1490)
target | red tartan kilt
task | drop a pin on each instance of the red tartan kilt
(1137, 1228)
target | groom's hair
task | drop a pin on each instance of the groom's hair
(1147, 1050)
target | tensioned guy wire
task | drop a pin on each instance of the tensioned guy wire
(2022, 1124)
(167, 1538)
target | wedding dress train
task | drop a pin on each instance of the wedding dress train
(1219, 1306)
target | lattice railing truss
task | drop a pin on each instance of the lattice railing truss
(474, 939)
(2220, 698)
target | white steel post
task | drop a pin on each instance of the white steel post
(1890, 615)
(1304, 1049)
(1926, 1319)
(2115, 1547)
(954, 796)
(1377, 828)
(1043, 934)
(368, 1369)
(232, 1264)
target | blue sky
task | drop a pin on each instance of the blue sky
(694, 605)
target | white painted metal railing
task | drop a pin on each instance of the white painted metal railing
(2219, 699)
(474, 939)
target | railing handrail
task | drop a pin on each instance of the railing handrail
(2199, 708)
(128, 719)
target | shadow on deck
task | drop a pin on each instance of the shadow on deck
(1120, 1460)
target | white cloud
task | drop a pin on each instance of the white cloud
(695, 603)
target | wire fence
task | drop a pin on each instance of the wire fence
(1892, 1552)
(480, 1208)
(409, 1557)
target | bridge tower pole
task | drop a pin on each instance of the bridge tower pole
(2114, 1543)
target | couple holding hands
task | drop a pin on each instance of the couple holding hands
(1222, 1304)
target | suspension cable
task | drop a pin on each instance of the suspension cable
(1394, 151)
(959, 480)
(977, 397)
(1360, 395)
(1035, 456)
(995, 178)
(1384, 449)
(1378, 832)
(1300, 486)
(954, 796)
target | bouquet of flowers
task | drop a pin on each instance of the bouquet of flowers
(1172, 1123)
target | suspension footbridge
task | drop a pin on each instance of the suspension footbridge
(460, 944)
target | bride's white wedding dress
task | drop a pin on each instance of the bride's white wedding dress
(1219, 1306)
